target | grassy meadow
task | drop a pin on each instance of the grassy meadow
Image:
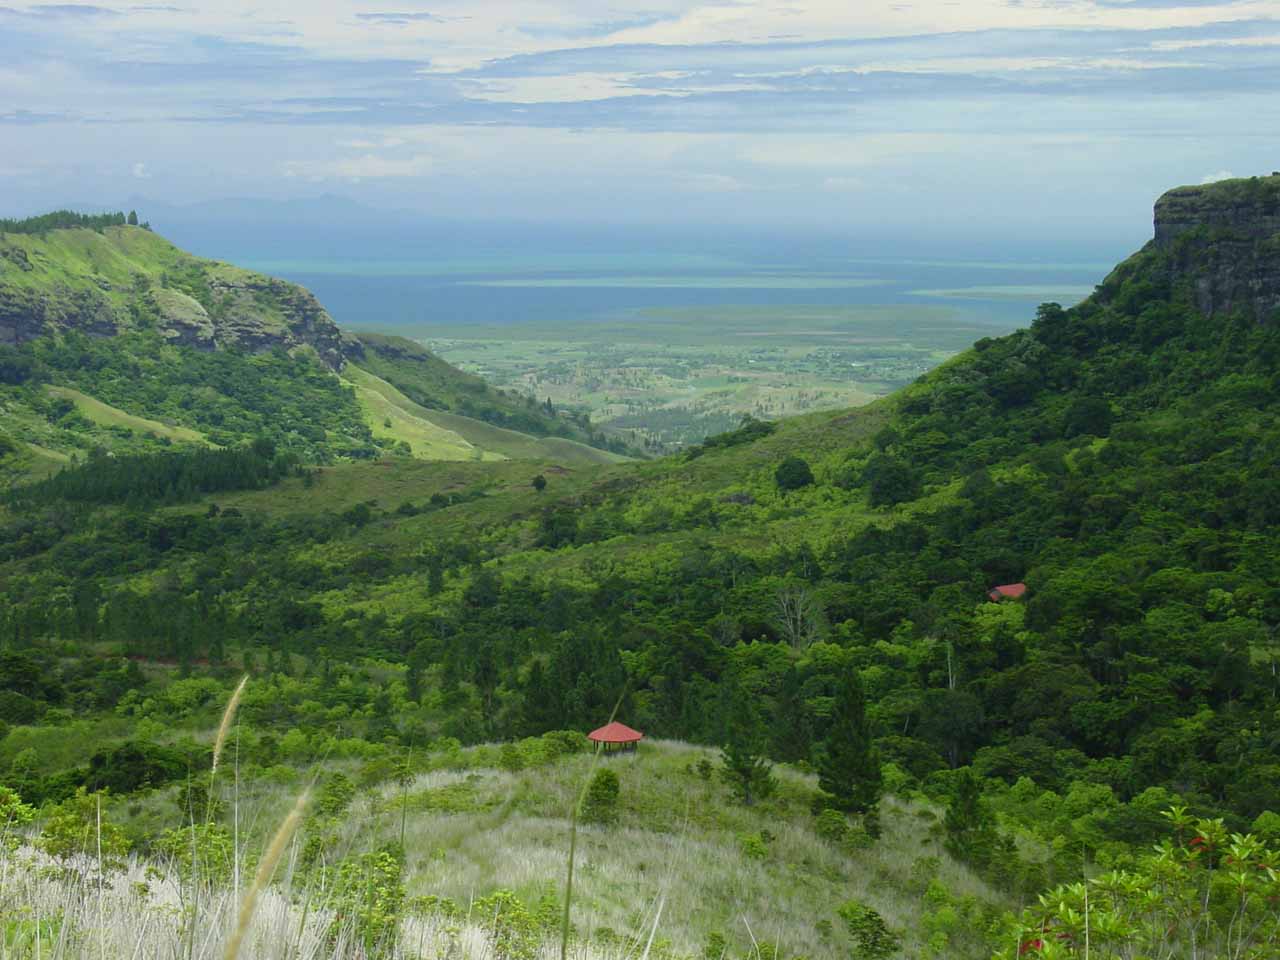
(480, 836)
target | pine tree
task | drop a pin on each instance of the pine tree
(742, 757)
(970, 825)
(849, 767)
(435, 575)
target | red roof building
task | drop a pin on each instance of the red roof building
(1008, 591)
(615, 735)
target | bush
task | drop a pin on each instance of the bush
(18, 709)
(78, 826)
(601, 803)
(872, 938)
(511, 757)
(566, 741)
(134, 765)
(753, 846)
(336, 794)
(831, 826)
(793, 473)
(890, 481)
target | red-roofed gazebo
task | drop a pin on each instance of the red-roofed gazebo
(1007, 591)
(616, 736)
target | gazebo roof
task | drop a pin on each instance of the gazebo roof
(1012, 591)
(615, 732)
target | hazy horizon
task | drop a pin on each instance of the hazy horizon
(1049, 123)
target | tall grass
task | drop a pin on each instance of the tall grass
(660, 883)
(266, 870)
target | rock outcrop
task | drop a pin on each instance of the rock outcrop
(1225, 237)
(48, 286)
(261, 313)
(26, 313)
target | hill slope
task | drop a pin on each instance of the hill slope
(162, 347)
(486, 831)
(1119, 458)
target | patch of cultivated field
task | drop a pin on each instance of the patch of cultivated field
(676, 375)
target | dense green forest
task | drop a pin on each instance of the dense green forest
(228, 396)
(812, 592)
(67, 219)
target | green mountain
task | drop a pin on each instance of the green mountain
(814, 592)
(112, 338)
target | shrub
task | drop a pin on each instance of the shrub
(18, 709)
(78, 826)
(831, 826)
(753, 846)
(567, 741)
(716, 947)
(13, 813)
(890, 481)
(133, 765)
(601, 803)
(514, 933)
(368, 892)
(336, 794)
(511, 757)
(872, 938)
(793, 473)
(202, 851)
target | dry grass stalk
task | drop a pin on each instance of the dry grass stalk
(265, 869)
(228, 716)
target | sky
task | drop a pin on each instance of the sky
(951, 118)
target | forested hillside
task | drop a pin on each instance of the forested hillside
(112, 339)
(768, 591)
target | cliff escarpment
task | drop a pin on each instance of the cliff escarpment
(1225, 239)
(121, 278)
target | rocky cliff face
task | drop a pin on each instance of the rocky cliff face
(1225, 237)
(105, 283)
(253, 312)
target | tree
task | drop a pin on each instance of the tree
(970, 825)
(742, 758)
(799, 614)
(1206, 892)
(539, 483)
(849, 765)
(890, 480)
(133, 218)
(793, 473)
(435, 574)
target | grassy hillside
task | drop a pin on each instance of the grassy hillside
(119, 341)
(432, 384)
(449, 844)
(440, 435)
(813, 592)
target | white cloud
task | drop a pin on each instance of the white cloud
(140, 172)
(564, 88)
(1215, 177)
